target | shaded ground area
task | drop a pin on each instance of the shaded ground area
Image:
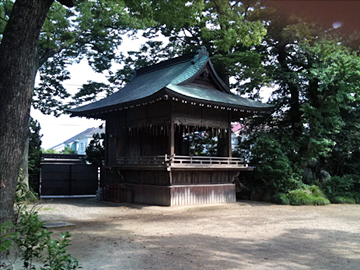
(243, 235)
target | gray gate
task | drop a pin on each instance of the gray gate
(67, 175)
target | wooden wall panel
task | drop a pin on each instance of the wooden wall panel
(117, 193)
(202, 194)
(204, 113)
(115, 122)
(202, 177)
(182, 177)
(162, 108)
(153, 187)
(149, 194)
(174, 195)
(134, 176)
(221, 177)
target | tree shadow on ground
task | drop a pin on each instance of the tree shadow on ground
(157, 239)
(294, 249)
(90, 202)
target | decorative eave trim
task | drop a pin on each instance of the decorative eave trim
(176, 97)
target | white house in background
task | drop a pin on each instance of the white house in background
(80, 141)
(236, 135)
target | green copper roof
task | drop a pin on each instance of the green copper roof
(171, 75)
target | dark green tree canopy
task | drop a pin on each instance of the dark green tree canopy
(226, 29)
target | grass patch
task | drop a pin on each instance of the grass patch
(346, 197)
(309, 195)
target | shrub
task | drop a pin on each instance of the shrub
(344, 189)
(24, 194)
(7, 238)
(34, 243)
(308, 195)
(272, 165)
(347, 197)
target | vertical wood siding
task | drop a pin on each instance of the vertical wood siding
(152, 187)
(149, 194)
(202, 177)
(202, 194)
(117, 193)
(174, 195)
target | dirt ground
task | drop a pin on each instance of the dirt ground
(242, 235)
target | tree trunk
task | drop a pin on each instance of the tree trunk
(17, 54)
(24, 174)
(24, 177)
(294, 111)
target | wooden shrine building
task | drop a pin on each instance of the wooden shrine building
(147, 123)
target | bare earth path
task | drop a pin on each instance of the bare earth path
(243, 235)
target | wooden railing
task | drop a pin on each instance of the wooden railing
(181, 161)
(143, 160)
(206, 160)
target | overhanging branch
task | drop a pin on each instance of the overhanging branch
(49, 53)
(5, 20)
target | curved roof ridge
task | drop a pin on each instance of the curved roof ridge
(164, 64)
(197, 64)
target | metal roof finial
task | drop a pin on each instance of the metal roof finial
(200, 53)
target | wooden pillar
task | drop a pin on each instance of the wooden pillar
(106, 144)
(229, 136)
(229, 142)
(172, 139)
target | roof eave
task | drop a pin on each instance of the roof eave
(100, 113)
(218, 105)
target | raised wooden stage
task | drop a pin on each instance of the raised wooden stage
(173, 180)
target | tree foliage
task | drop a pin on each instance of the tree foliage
(68, 151)
(223, 27)
(315, 74)
(92, 30)
(313, 69)
(49, 151)
(201, 143)
(34, 154)
(36, 247)
(95, 152)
